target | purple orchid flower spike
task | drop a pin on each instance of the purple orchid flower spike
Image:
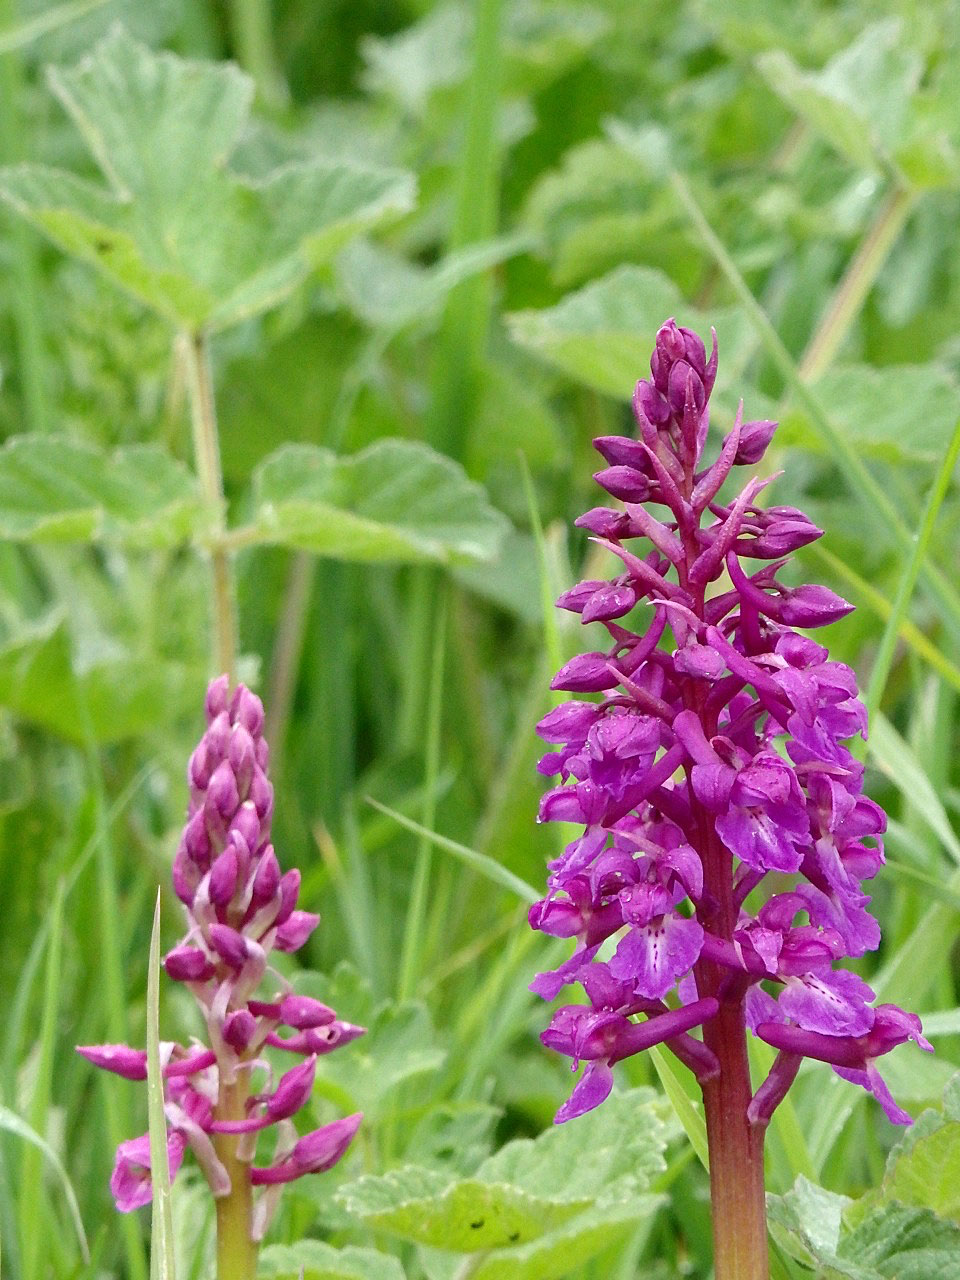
(239, 908)
(719, 878)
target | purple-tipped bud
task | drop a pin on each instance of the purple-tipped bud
(314, 1153)
(187, 964)
(186, 876)
(266, 879)
(218, 697)
(261, 793)
(118, 1058)
(303, 1013)
(239, 1028)
(223, 877)
(246, 823)
(289, 890)
(294, 932)
(650, 404)
(217, 738)
(230, 945)
(294, 1089)
(222, 795)
(624, 483)
(241, 755)
(246, 709)
(199, 767)
(196, 841)
(754, 439)
(813, 606)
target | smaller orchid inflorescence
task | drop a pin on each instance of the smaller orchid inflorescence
(726, 836)
(239, 908)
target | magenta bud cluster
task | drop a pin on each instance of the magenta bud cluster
(239, 907)
(725, 835)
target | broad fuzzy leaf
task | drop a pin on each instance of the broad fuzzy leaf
(53, 489)
(899, 413)
(529, 1190)
(396, 501)
(314, 1260)
(601, 334)
(202, 246)
(859, 102)
(116, 697)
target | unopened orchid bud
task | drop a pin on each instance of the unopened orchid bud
(118, 1058)
(188, 964)
(295, 930)
(239, 1028)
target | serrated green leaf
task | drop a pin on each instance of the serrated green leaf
(465, 1216)
(627, 1137)
(388, 291)
(53, 489)
(560, 1251)
(900, 413)
(400, 1043)
(314, 1260)
(860, 100)
(905, 1243)
(202, 246)
(928, 1175)
(118, 696)
(530, 1188)
(601, 335)
(396, 501)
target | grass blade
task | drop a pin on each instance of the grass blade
(477, 861)
(12, 1123)
(161, 1253)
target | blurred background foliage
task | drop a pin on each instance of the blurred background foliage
(582, 170)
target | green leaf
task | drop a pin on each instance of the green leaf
(314, 1260)
(900, 413)
(400, 1044)
(860, 101)
(567, 1247)
(906, 1243)
(424, 1206)
(570, 1180)
(116, 696)
(53, 489)
(396, 501)
(927, 1175)
(202, 246)
(387, 291)
(601, 335)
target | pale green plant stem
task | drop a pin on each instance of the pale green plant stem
(859, 476)
(857, 281)
(206, 448)
(250, 22)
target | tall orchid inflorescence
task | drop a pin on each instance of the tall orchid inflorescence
(726, 836)
(239, 908)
